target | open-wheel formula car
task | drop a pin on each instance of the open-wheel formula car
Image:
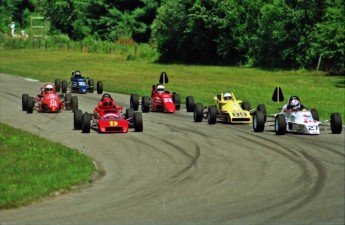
(78, 84)
(106, 119)
(49, 101)
(294, 118)
(227, 109)
(161, 100)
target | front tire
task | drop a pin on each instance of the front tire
(336, 123)
(259, 121)
(77, 119)
(138, 122)
(57, 85)
(212, 114)
(64, 86)
(315, 114)
(129, 113)
(262, 108)
(198, 113)
(280, 124)
(190, 103)
(145, 104)
(74, 103)
(177, 101)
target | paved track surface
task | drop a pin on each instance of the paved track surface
(181, 172)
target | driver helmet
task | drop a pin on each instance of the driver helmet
(106, 95)
(160, 89)
(48, 88)
(295, 103)
(107, 103)
(227, 96)
(77, 73)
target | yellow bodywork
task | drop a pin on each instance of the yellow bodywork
(232, 109)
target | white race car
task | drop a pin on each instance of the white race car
(303, 122)
(294, 117)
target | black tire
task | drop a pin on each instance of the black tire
(134, 102)
(77, 119)
(280, 124)
(74, 103)
(262, 108)
(86, 123)
(129, 113)
(245, 106)
(138, 122)
(91, 85)
(25, 102)
(99, 87)
(177, 101)
(336, 123)
(145, 104)
(190, 103)
(68, 99)
(57, 85)
(212, 114)
(30, 106)
(315, 114)
(198, 113)
(259, 121)
(64, 86)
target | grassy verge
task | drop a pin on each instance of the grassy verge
(315, 89)
(32, 167)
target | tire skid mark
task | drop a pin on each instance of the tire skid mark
(314, 186)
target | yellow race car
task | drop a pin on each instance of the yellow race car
(227, 109)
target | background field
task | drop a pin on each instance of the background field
(256, 86)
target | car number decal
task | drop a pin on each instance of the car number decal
(53, 103)
(167, 100)
(239, 114)
(113, 123)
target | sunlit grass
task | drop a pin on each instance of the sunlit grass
(32, 167)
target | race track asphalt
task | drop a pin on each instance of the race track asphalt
(181, 172)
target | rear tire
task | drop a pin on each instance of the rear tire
(145, 104)
(99, 87)
(259, 121)
(64, 86)
(77, 119)
(57, 85)
(138, 122)
(30, 106)
(25, 102)
(336, 123)
(198, 113)
(86, 123)
(134, 102)
(280, 124)
(91, 86)
(212, 114)
(262, 108)
(190, 103)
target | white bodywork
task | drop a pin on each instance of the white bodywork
(301, 122)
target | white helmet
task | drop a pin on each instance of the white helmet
(295, 104)
(48, 87)
(227, 96)
(160, 89)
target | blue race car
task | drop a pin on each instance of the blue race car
(79, 84)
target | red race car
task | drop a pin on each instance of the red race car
(49, 101)
(108, 118)
(161, 100)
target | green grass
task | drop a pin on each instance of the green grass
(315, 89)
(32, 167)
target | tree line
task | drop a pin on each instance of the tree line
(289, 34)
